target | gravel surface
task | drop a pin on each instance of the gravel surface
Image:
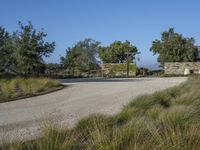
(82, 97)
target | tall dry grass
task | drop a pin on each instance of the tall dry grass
(11, 89)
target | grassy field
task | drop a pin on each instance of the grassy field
(12, 89)
(169, 119)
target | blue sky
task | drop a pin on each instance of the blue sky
(139, 21)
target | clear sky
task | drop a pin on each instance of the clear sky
(139, 21)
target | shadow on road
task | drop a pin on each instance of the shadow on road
(78, 80)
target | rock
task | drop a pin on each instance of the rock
(187, 71)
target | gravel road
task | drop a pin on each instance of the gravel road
(82, 97)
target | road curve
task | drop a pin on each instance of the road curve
(80, 98)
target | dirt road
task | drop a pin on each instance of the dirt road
(82, 97)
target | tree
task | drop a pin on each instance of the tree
(82, 56)
(116, 52)
(30, 49)
(53, 69)
(6, 51)
(173, 47)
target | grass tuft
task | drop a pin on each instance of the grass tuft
(11, 89)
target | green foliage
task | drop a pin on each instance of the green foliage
(112, 69)
(142, 71)
(157, 73)
(11, 89)
(53, 70)
(120, 67)
(116, 52)
(30, 49)
(22, 53)
(6, 51)
(81, 57)
(173, 47)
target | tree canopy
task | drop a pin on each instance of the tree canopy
(23, 51)
(30, 48)
(6, 51)
(116, 52)
(173, 47)
(82, 56)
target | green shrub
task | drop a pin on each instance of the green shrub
(119, 69)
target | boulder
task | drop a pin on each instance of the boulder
(187, 71)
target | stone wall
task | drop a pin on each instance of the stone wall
(178, 68)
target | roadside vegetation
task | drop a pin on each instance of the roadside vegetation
(22, 53)
(17, 88)
(168, 119)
